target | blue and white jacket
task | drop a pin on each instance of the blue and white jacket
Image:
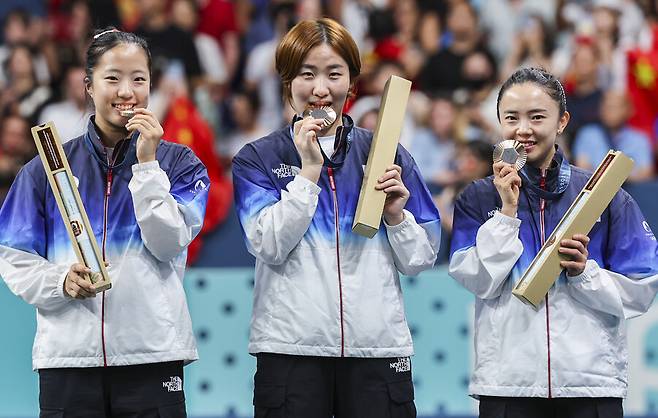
(575, 344)
(320, 289)
(143, 217)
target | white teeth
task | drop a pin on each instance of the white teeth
(125, 110)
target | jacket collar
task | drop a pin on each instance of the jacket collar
(342, 142)
(125, 151)
(558, 176)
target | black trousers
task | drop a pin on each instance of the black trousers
(323, 387)
(501, 407)
(142, 391)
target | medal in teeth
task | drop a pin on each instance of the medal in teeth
(510, 151)
(326, 113)
(127, 113)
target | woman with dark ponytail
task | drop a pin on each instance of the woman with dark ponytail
(121, 352)
(569, 357)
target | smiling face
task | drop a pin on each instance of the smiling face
(120, 81)
(323, 80)
(529, 115)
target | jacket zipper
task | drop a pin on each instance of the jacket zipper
(542, 207)
(332, 184)
(108, 192)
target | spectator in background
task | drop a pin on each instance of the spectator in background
(354, 15)
(444, 70)
(243, 106)
(16, 148)
(593, 141)
(185, 15)
(430, 26)
(22, 94)
(260, 74)
(473, 161)
(397, 37)
(505, 19)
(217, 18)
(606, 15)
(480, 97)
(434, 147)
(16, 143)
(72, 28)
(71, 114)
(532, 47)
(16, 31)
(168, 43)
(582, 87)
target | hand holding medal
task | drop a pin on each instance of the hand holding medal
(509, 157)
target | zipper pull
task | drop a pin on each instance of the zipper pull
(108, 189)
(330, 171)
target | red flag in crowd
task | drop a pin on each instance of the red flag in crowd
(184, 124)
(643, 87)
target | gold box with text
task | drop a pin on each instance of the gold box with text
(385, 140)
(579, 219)
(70, 204)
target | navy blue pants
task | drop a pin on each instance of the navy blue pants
(501, 407)
(288, 386)
(142, 391)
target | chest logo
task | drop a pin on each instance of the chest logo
(493, 212)
(285, 170)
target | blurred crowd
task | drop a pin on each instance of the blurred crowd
(215, 87)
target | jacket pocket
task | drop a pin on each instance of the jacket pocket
(402, 399)
(269, 401)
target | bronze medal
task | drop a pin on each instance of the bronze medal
(510, 151)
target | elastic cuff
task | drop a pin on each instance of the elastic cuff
(586, 275)
(141, 167)
(506, 220)
(408, 217)
(302, 184)
(60, 285)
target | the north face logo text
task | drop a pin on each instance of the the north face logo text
(402, 365)
(286, 170)
(174, 385)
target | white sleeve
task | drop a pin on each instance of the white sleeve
(33, 278)
(611, 292)
(483, 268)
(166, 226)
(414, 247)
(277, 229)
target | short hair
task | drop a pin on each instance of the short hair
(306, 35)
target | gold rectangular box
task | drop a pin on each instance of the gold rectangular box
(382, 154)
(70, 205)
(579, 219)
